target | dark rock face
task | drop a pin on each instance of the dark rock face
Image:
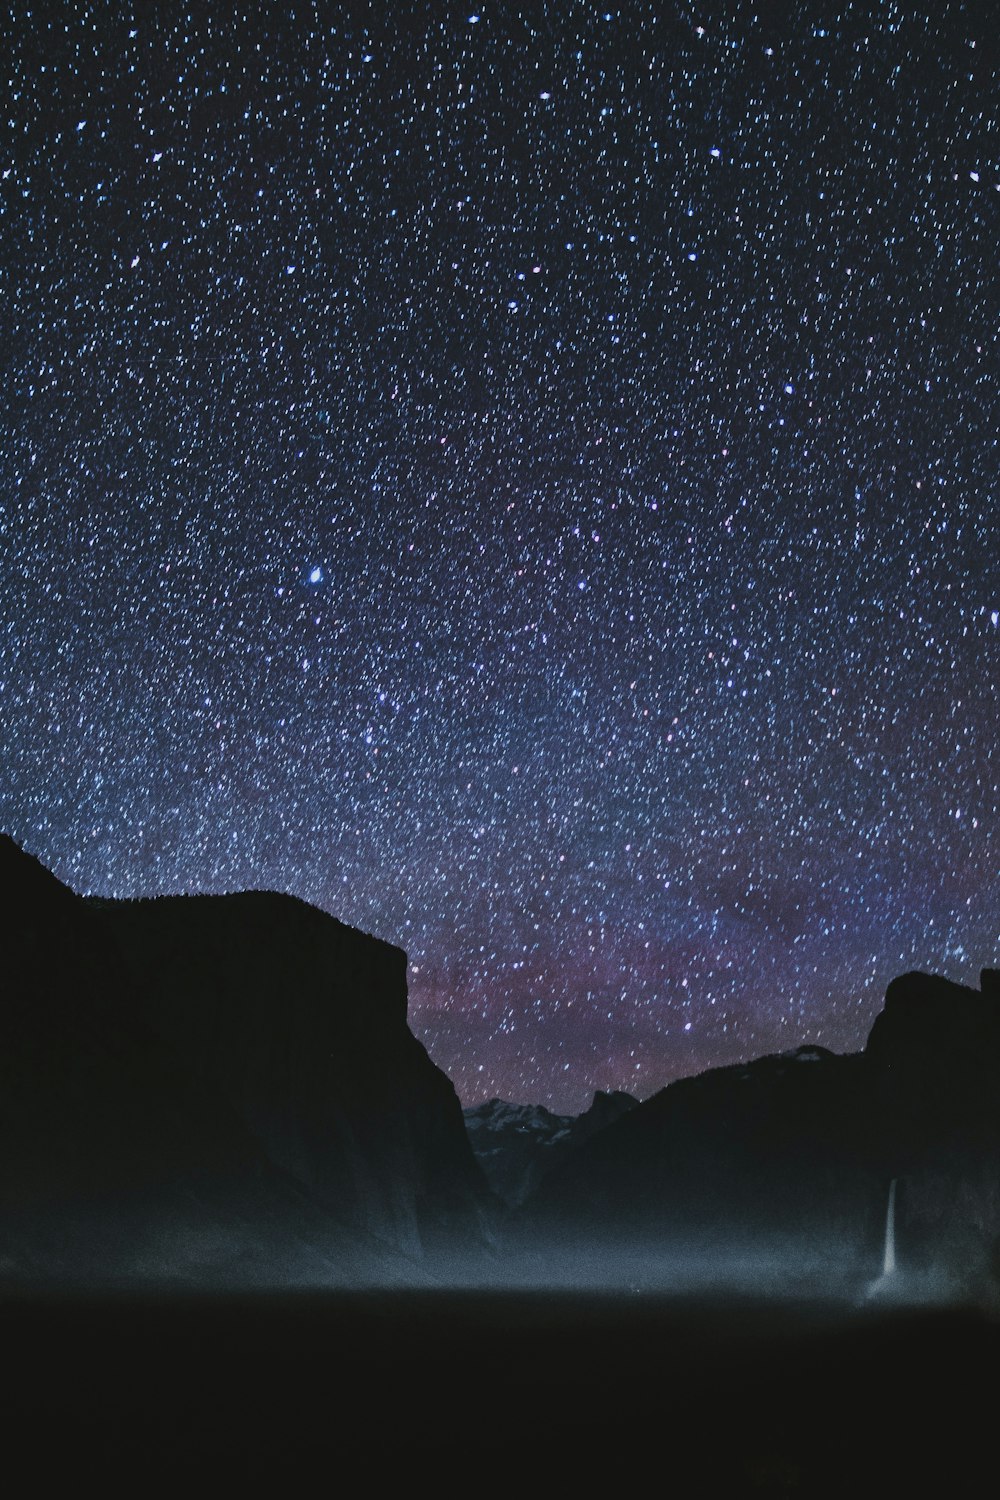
(797, 1150)
(935, 1056)
(773, 1152)
(136, 1142)
(517, 1144)
(300, 1024)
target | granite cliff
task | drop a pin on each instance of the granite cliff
(217, 1088)
(299, 1023)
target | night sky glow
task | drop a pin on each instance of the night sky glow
(524, 479)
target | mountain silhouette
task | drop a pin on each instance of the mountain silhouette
(216, 1088)
(788, 1158)
(517, 1144)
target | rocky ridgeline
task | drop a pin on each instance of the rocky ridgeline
(224, 1090)
(517, 1144)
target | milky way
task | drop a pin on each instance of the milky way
(524, 479)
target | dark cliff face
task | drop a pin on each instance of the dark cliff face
(88, 1098)
(204, 1143)
(300, 1023)
(797, 1150)
(935, 1057)
(771, 1153)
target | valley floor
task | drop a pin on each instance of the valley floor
(478, 1393)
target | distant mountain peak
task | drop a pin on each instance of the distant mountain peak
(518, 1144)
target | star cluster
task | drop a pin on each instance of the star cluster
(524, 479)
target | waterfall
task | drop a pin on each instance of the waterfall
(889, 1255)
(890, 1286)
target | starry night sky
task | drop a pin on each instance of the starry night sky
(524, 479)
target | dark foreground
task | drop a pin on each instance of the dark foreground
(530, 1394)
